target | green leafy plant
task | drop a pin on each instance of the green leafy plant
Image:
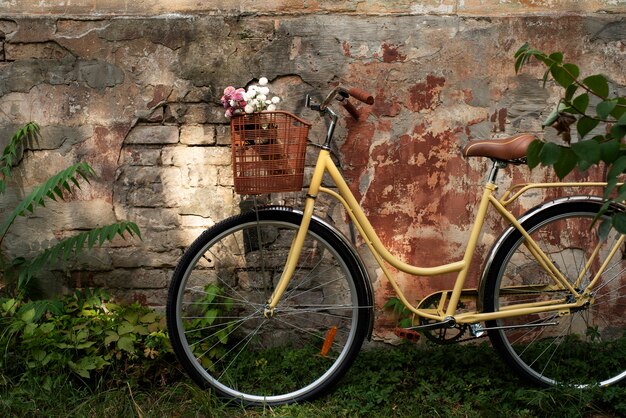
(86, 334)
(205, 310)
(402, 313)
(599, 115)
(58, 187)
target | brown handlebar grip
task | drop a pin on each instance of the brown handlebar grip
(351, 109)
(362, 95)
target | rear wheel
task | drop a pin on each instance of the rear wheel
(581, 348)
(217, 316)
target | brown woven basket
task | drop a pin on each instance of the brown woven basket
(268, 150)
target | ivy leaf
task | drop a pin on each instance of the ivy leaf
(126, 343)
(140, 330)
(621, 194)
(111, 337)
(550, 153)
(566, 162)
(619, 222)
(586, 125)
(569, 92)
(556, 57)
(618, 167)
(532, 155)
(28, 316)
(588, 152)
(620, 108)
(604, 108)
(125, 328)
(148, 318)
(83, 366)
(598, 84)
(581, 102)
(618, 131)
(605, 226)
(564, 75)
(609, 151)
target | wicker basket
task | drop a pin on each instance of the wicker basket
(268, 151)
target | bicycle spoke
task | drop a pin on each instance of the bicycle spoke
(223, 334)
(580, 349)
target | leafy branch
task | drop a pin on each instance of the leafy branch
(10, 153)
(52, 188)
(73, 245)
(590, 104)
(57, 187)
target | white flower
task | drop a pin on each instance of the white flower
(264, 90)
(263, 81)
(271, 107)
(249, 108)
(275, 99)
(261, 97)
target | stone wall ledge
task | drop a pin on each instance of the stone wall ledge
(188, 8)
(7, 15)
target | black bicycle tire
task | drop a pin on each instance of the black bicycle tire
(497, 266)
(319, 230)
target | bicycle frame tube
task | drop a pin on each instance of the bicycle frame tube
(345, 196)
(381, 254)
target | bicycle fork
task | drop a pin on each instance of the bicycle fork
(292, 258)
(298, 241)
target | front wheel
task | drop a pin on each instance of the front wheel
(579, 348)
(217, 317)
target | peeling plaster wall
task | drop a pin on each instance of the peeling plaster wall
(137, 97)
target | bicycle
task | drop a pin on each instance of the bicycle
(272, 306)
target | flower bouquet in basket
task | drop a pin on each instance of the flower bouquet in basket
(268, 145)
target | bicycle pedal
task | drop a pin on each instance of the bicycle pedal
(407, 334)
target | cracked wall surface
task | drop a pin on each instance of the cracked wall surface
(137, 97)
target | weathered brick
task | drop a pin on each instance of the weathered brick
(153, 134)
(140, 155)
(181, 156)
(197, 135)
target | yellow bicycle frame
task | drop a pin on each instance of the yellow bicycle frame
(382, 255)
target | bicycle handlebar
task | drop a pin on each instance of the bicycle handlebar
(351, 109)
(342, 95)
(361, 95)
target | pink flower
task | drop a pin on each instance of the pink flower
(237, 100)
(237, 95)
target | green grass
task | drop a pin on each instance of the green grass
(405, 381)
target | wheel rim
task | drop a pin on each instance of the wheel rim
(320, 298)
(580, 349)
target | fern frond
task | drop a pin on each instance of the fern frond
(53, 188)
(63, 250)
(9, 154)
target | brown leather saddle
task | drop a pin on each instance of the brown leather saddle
(512, 149)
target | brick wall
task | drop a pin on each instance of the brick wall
(133, 88)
